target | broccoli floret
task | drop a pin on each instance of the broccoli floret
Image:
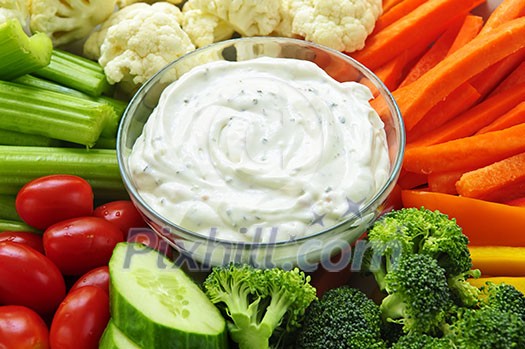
(487, 328)
(262, 304)
(504, 297)
(422, 231)
(421, 341)
(344, 317)
(418, 297)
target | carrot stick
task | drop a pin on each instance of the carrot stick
(516, 77)
(434, 54)
(392, 72)
(489, 79)
(426, 23)
(444, 182)
(419, 97)
(485, 223)
(516, 281)
(389, 4)
(500, 181)
(466, 153)
(498, 260)
(459, 101)
(513, 117)
(468, 31)
(470, 121)
(506, 11)
(395, 13)
(411, 180)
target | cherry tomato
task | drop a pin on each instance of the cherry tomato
(80, 320)
(123, 213)
(98, 277)
(78, 245)
(50, 199)
(22, 328)
(23, 237)
(29, 278)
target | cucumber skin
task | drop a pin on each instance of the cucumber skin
(109, 340)
(148, 334)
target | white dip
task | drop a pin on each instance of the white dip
(262, 150)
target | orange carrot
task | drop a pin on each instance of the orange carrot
(470, 28)
(513, 117)
(389, 4)
(516, 281)
(466, 153)
(516, 77)
(395, 13)
(426, 23)
(485, 223)
(392, 72)
(411, 180)
(417, 98)
(434, 54)
(489, 79)
(470, 121)
(500, 181)
(517, 202)
(444, 182)
(506, 11)
(457, 102)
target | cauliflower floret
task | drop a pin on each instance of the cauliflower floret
(247, 17)
(65, 21)
(18, 9)
(342, 25)
(124, 3)
(204, 28)
(138, 41)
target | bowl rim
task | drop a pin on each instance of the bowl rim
(137, 98)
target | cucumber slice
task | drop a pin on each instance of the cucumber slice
(113, 338)
(157, 305)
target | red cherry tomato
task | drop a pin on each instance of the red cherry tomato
(29, 278)
(123, 213)
(50, 199)
(22, 237)
(78, 245)
(98, 277)
(22, 328)
(80, 320)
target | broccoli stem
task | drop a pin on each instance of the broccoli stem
(393, 307)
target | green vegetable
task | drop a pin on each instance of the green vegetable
(75, 72)
(51, 114)
(20, 54)
(344, 317)
(418, 297)
(17, 138)
(487, 328)
(12, 225)
(110, 130)
(113, 338)
(262, 305)
(504, 297)
(421, 231)
(421, 341)
(156, 305)
(20, 164)
(7, 208)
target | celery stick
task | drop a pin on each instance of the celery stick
(10, 225)
(51, 114)
(106, 143)
(19, 165)
(118, 105)
(20, 54)
(76, 72)
(17, 138)
(7, 208)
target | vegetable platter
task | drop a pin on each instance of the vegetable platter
(80, 268)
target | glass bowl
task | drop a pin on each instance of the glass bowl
(306, 252)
